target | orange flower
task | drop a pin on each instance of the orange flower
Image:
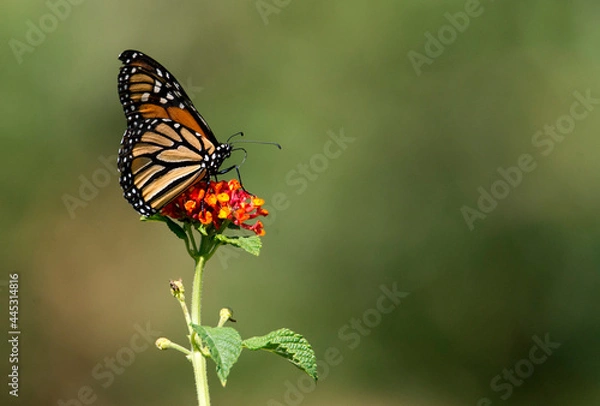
(216, 203)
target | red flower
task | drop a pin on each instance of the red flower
(216, 203)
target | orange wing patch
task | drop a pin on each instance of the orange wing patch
(153, 111)
(185, 118)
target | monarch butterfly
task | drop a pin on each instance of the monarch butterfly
(167, 145)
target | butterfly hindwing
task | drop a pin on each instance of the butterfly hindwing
(159, 159)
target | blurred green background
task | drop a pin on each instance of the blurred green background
(430, 105)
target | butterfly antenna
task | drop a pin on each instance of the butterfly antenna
(239, 133)
(258, 142)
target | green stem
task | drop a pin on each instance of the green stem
(199, 365)
(178, 347)
(198, 360)
(212, 251)
(186, 315)
(190, 243)
(191, 234)
(197, 290)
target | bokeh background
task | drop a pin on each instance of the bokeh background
(422, 125)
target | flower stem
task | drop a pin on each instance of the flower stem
(190, 243)
(199, 365)
(164, 343)
(197, 290)
(198, 360)
(186, 315)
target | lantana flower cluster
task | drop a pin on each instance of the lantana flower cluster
(218, 203)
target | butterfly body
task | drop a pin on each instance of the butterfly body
(167, 146)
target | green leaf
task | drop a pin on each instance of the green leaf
(224, 345)
(289, 345)
(173, 226)
(251, 244)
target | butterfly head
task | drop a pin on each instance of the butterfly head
(214, 160)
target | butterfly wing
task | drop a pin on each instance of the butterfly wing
(148, 90)
(159, 159)
(167, 146)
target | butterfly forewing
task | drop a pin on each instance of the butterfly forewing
(149, 90)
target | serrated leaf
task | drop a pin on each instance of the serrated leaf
(173, 226)
(291, 346)
(224, 345)
(251, 244)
